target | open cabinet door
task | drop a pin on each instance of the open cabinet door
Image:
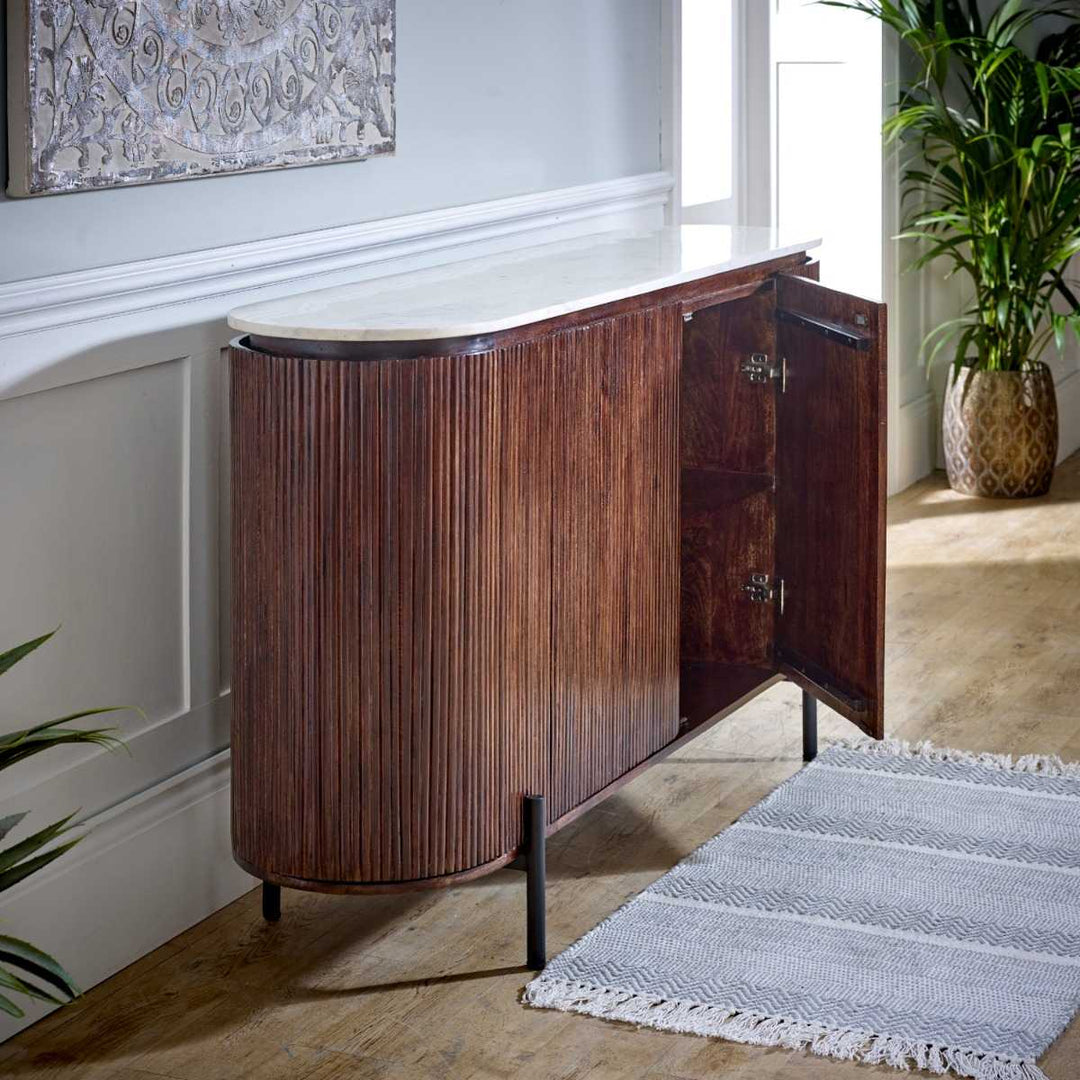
(830, 514)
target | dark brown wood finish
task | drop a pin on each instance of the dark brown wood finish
(615, 560)
(473, 570)
(710, 689)
(727, 535)
(831, 497)
(727, 444)
(392, 686)
(401, 652)
(728, 423)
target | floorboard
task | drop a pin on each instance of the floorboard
(983, 653)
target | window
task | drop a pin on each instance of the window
(708, 109)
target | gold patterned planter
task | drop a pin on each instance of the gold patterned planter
(1001, 433)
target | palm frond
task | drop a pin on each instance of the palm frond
(13, 656)
(25, 969)
(991, 167)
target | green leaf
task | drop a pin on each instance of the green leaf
(1060, 326)
(10, 981)
(15, 737)
(15, 854)
(8, 823)
(9, 1006)
(13, 656)
(37, 963)
(19, 745)
(24, 869)
(1043, 78)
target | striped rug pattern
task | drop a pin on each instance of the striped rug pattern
(911, 906)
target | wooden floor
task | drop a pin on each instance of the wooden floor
(983, 653)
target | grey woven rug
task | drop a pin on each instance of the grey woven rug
(908, 906)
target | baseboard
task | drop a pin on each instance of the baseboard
(1068, 398)
(67, 299)
(916, 443)
(919, 440)
(150, 867)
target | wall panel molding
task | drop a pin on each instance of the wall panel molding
(221, 273)
(152, 866)
(915, 444)
(1068, 395)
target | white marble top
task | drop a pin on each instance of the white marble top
(499, 292)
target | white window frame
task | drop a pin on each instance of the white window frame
(751, 199)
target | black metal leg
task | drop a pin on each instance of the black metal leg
(535, 883)
(809, 726)
(271, 900)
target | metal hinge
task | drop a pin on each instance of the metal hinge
(758, 370)
(688, 316)
(763, 590)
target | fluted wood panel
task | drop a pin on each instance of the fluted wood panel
(615, 558)
(456, 582)
(392, 560)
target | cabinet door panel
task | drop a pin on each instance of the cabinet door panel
(615, 562)
(831, 497)
(391, 527)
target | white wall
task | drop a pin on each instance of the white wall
(534, 121)
(494, 98)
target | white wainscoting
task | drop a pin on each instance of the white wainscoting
(114, 497)
(915, 445)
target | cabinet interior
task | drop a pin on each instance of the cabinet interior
(727, 453)
(781, 456)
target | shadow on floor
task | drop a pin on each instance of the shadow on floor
(933, 498)
(316, 994)
(233, 972)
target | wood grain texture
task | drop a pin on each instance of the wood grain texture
(427, 986)
(457, 577)
(443, 565)
(831, 499)
(615, 559)
(727, 449)
(392, 550)
(727, 421)
(727, 533)
(709, 690)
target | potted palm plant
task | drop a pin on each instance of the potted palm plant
(992, 179)
(26, 970)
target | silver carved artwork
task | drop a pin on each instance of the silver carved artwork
(136, 91)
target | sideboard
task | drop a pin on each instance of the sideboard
(508, 531)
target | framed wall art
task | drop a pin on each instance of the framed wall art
(104, 93)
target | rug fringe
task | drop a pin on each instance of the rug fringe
(757, 1030)
(1042, 764)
